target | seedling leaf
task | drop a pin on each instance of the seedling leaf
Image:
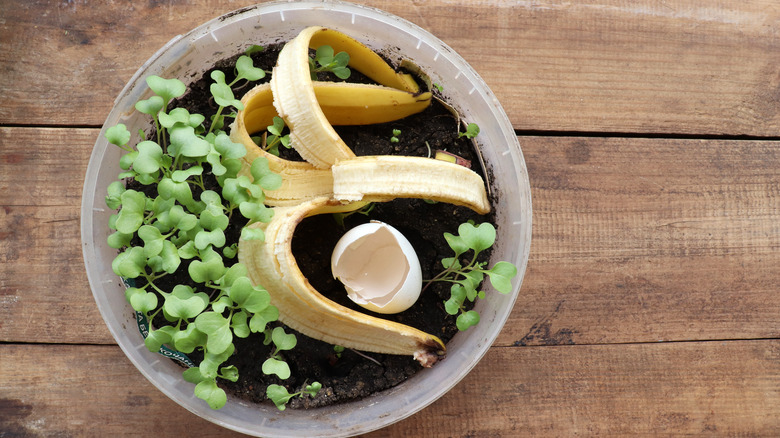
(150, 106)
(279, 395)
(282, 340)
(313, 389)
(226, 147)
(501, 276)
(130, 263)
(157, 338)
(239, 325)
(467, 319)
(184, 303)
(140, 300)
(247, 70)
(168, 89)
(131, 216)
(118, 135)
(217, 329)
(229, 373)
(248, 297)
(456, 243)
(193, 375)
(254, 48)
(278, 367)
(477, 238)
(188, 339)
(472, 130)
(263, 176)
(260, 319)
(212, 394)
(210, 268)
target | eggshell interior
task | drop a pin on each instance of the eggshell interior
(379, 268)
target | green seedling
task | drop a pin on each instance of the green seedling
(254, 48)
(326, 61)
(222, 92)
(274, 137)
(176, 225)
(365, 211)
(466, 273)
(472, 130)
(282, 342)
(394, 138)
(280, 396)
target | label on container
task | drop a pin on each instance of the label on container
(143, 327)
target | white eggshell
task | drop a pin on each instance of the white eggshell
(379, 268)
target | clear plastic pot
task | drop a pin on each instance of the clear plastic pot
(189, 55)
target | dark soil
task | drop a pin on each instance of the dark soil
(351, 374)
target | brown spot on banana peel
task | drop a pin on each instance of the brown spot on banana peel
(429, 354)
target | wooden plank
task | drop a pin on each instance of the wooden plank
(635, 240)
(714, 388)
(56, 390)
(44, 293)
(646, 240)
(597, 66)
(614, 66)
(44, 166)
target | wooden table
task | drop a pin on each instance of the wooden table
(650, 132)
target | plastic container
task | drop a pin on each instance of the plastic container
(195, 52)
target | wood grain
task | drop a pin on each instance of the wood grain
(690, 388)
(679, 67)
(647, 240)
(634, 240)
(44, 167)
(678, 389)
(86, 391)
(44, 294)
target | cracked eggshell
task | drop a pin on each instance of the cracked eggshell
(379, 268)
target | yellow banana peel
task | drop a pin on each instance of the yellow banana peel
(302, 308)
(333, 179)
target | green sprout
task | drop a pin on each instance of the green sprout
(326, 61)
(280, 396)
(222, 92)
(282, 341)
(365, 211)
(467, 276)
(438, 87)
(254, 48)
(274, 137)
(471, 131)
(394, 138)
(154, 234)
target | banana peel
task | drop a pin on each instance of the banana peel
(295, 98)
(302, 308)
(386, 177)
(342, 104)
(332, 178)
